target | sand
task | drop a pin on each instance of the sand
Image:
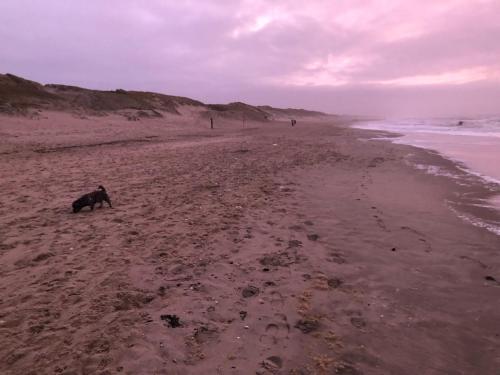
(280, 250)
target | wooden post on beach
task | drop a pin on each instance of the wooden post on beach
(211, 122)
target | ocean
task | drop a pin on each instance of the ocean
(473, 144)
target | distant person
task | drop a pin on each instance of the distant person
(211, 123)
(460, 123)
(293, 122)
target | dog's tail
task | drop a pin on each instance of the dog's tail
(100, 187)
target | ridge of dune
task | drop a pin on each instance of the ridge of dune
(19, 96)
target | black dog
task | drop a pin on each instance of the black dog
(91, 199)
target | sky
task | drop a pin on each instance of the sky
(366, 57)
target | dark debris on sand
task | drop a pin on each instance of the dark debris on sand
(173, 321)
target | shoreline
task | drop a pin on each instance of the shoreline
(279, 249)
(474, 190)
(473, 146)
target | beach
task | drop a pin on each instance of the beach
(252, 248)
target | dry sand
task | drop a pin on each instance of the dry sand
(281, 250)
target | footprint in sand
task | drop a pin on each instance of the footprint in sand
(276, 298)
(358, 322)
(345, 369)
(420, 236)
(276, 331)
(268, 284)
(274, 334)
(334, 282)
(477, 261)
(381, 223)
(312, 237)
(272, 364)
(335, 257)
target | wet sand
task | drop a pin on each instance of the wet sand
(280, 250)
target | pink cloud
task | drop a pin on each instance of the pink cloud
(230, 49)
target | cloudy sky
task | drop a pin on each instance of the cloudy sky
(380, 57)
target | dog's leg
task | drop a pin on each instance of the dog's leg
(109, 202)
(91, 207)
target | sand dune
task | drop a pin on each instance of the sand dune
(19, 96)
